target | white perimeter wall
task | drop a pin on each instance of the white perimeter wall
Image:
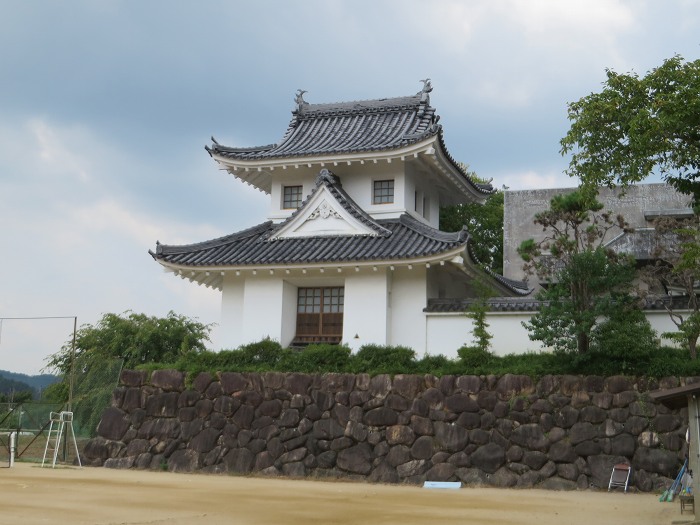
(446, 333)
(449, 331)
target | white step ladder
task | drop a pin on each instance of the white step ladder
(59, 422)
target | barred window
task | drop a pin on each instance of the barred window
(383, 192)
(291, 197)
(317, 300)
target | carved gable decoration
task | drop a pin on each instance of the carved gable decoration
(322, 216)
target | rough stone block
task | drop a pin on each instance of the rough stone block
(113, 425)
(168, 380)
(489, 458)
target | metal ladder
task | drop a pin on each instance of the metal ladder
(59, 422)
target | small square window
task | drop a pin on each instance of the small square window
(291, 197)
(383, 192)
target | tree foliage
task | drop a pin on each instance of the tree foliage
(637, 126)
(479, 352)
(134, 338)
(677, 268)
(485, 225)
(583, 281)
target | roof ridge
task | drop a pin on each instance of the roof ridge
(373, 104)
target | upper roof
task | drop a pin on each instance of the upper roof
(364, 126)
(367, 125)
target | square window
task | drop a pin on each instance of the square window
(383, 192)
(291, 197)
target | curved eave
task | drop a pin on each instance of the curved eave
(258, 172)
(213, 276)
(442, 160)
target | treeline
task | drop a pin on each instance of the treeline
(270, 356)
(18, 388)
(12, 391)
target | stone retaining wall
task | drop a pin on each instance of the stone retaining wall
(563, 432)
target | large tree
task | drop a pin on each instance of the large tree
(637, 126)
(583, 282)
(134, 338)
(677, 269)
(90, 369)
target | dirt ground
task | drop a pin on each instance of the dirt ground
(32, 495)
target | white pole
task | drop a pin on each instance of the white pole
(13, 436)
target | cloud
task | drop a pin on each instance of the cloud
(56, 152)
(509, 53)
(531, 179)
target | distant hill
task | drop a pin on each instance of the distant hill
(21, 382)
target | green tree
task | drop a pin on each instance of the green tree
(478, 353)
(637, 126)
(116, 341)
(484, 223)
(582, 281)
(135, 338)
(677, 268)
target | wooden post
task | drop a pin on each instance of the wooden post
(694, 447)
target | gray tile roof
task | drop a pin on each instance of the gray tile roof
(529, 304)
(352, 127)
(406, 238)
(496, 304)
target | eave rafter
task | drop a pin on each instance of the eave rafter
(258, 173)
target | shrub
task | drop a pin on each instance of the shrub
(319, 358)
(263, 355)
(376, 359)
(438, 365)
(475, 358)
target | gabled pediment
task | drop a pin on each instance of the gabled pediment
(323, 215)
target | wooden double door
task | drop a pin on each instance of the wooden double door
(320, 315)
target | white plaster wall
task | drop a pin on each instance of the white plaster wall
(366, 306)
(289, 313)
(661, 322)
(264, 304)
(407, 300)
(447, 332)
(304, 177)
(428, 207)
(231, 323)
(358, 182)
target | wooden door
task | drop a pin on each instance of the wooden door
(320, 315)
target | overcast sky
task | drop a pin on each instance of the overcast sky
(106, 105)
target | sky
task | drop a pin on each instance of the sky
(106, 106)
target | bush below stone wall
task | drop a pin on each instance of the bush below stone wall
(563, 432)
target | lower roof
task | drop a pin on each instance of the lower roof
(407, 239)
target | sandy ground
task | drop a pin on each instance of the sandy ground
(32, 495)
